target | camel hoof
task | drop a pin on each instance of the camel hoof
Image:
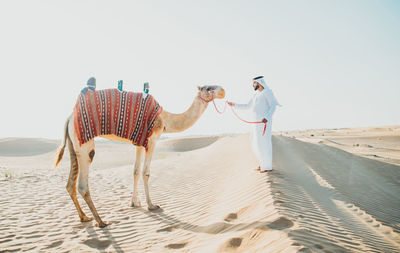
(86, 219)
(102, 224)
(153, 207)
(136, 205)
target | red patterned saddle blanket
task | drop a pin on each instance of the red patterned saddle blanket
(127, 115)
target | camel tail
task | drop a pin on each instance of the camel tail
(60, 151)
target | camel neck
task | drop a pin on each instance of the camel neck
(175, 123)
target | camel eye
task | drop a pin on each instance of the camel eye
(209, 88)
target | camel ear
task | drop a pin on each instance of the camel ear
(198, 87)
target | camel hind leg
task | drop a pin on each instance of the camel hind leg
(85, 154)
(71, 185)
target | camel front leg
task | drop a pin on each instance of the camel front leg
(146, 173)
(136, 176)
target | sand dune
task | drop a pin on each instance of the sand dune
(340, 201)
(318, 199)
(26, 146)
(186, 144)
(379, 143)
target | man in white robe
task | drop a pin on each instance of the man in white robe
(262, 105)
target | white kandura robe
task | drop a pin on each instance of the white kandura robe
(263, 105)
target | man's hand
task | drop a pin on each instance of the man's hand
(230, 103)
(264, 120)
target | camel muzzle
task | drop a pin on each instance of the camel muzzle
(221, 93)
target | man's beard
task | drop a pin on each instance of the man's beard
(256, 87)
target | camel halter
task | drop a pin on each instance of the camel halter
(237, 115)
(207, 101)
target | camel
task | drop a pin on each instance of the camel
(81, 156)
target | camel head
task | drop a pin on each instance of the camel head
(208, 93)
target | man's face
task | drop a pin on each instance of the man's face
(256, 85)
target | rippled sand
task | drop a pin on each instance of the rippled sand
(320, 196)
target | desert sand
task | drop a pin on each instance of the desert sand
(331, 190)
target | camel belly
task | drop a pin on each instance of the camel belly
(113, 137)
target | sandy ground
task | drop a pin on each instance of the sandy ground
(330, 191)
(378, 143)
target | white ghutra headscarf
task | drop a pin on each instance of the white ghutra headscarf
(261, 81)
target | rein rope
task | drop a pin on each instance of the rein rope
(237, 115)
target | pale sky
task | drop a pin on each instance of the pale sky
(330, 63)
